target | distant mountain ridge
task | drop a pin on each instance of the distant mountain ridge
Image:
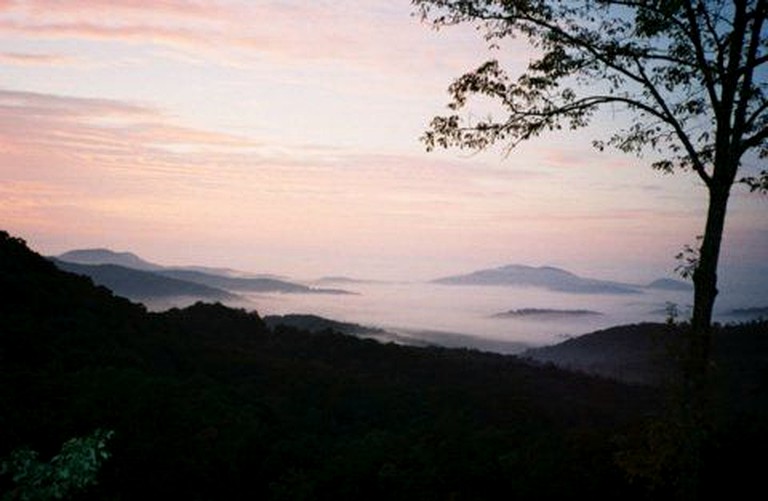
(548, 277)
(755, 312)
(245, 284)
(204, 394)
(545, 313)
(555, 279)
(106, 256)
(131, 260)
(133, 277)
(670, 284)
(140, 285)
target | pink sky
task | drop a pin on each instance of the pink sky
(282, 137)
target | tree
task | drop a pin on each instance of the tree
(691, 74)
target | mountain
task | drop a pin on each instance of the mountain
(669, 284)
(225, 408)
(227, 272)
(547, 277)
(647, 353)
(347, 280)
(139, 285)
(753, 312)
(210, 283)
(244, 284)
(632, 353)
(106, 256)
(545, 313)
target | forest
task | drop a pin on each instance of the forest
(208, 402)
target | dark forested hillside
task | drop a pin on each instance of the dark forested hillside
(646, 353)
(207, 402)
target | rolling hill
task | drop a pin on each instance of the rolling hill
(548, 277)
(136, 278)
(648, 353)
(106, 256)
(139, 285)
(558, 280)
(244, 284)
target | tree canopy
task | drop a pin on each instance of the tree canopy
(692, 75)
(691, 72)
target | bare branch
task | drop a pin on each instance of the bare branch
(745, 92)
(694, 35)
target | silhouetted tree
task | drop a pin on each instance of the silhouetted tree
(690, 74)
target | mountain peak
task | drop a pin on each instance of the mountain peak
(528, 268)
(548, 277)
(670, 284)
(107, 256)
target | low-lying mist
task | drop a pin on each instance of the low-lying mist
(469, 316)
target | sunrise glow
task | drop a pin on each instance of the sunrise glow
(283, 136)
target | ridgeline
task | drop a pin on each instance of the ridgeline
(207, 402)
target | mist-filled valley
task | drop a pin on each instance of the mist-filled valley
(209, 401)
(473, 313)
(478, 316)
(505, 309)
(433, 250)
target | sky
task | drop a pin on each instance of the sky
(283, 137)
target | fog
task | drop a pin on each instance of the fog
(468, 316)
(465, 315)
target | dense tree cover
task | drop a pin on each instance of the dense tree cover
(208, 403)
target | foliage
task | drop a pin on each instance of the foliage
(758, 183)
(682, 69)
(73, 469)
(688, 260)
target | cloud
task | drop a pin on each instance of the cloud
(93, 126)
(131, 156)
(28, 59)
(236, 32)
(176, 36)
(113, 11)
(51, 105)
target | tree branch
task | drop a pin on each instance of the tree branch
(755, 140)
(756, 115)
(745, 92)
(694, 35)
(669, 118)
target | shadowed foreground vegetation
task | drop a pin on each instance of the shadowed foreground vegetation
(209, 403)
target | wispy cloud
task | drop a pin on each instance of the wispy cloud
(366, 34)
(89, 30)
(92, 126)
(285, 123)
(29, 59)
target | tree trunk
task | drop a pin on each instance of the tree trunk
(695, 401)
(705, 285)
